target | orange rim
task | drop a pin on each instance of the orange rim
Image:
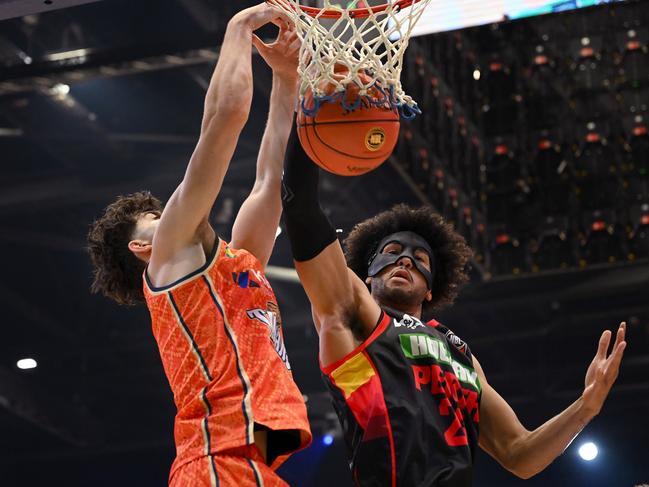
(357, 13)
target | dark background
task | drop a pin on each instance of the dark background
(541, 164)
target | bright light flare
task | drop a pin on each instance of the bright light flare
(588, 451)
(26, 364)
(60, 90)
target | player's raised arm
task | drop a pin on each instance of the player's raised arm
(339, 299)
(526, 453)
(227, 105)
(220, 338)
(257, 221)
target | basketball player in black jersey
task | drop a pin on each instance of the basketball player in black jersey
(410, 396)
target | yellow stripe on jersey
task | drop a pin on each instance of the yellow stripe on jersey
(353, 374)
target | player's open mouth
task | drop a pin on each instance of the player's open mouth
(403, 274)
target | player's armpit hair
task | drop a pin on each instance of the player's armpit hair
(308, 228)
(360, 332)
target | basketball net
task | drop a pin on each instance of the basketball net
(355, 47)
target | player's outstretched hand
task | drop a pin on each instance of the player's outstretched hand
(260, 15)
(282, 54)
(603, 371)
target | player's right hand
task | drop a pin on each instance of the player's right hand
(603, 371)
(259, 15)
(282, 54)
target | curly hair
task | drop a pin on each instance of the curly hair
(451, 251)
(117, 272)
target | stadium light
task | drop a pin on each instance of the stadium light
(588, 451)
(26, 364)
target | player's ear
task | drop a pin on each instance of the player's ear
(141, 249)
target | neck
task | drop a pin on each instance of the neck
(397, 311)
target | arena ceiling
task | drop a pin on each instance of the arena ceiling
(105, 99)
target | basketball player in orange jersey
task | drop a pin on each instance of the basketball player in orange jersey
(410, 396)
(214, 315)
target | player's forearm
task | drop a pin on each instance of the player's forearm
(270, 164)
(230, 90)
(255, 226)
(537, 449)
(307, 226)
(265, 198)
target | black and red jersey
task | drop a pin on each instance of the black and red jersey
(408, 400)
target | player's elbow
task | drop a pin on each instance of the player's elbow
(230, 112)
(216, 123)
(521, 465)
(523, 472)
(514, 455)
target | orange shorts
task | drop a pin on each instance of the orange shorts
(240, 467)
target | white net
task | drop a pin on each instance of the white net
(358, 52)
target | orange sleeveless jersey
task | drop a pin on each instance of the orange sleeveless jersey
(220, 338)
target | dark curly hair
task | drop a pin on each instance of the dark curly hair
(451, 251)
(117, 272)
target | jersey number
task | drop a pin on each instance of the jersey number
(455, 435)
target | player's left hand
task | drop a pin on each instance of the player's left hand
(603, 371)
(282, 54)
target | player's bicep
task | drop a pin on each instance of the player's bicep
(342, 331)
(326, 281)
(500, 428)
(255, 226)
(368, 311)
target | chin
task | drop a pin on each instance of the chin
(397, 295)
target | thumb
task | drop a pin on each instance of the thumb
(259, 44)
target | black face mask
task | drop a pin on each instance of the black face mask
(410, 242)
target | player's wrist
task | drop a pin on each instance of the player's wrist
(286, 81)
(586, 411)
(249, 19)
(255, 17)
(241, 22)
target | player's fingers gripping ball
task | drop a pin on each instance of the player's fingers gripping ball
(349, 133)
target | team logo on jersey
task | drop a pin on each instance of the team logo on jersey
(457, 342)
(261, 279)
(242, 279)
(272, 319)
(250, 279)
(420, 345)
(409, 322)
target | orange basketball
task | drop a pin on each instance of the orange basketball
(349, 142)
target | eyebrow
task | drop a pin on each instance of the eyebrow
(417, 249)
(393, 242)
